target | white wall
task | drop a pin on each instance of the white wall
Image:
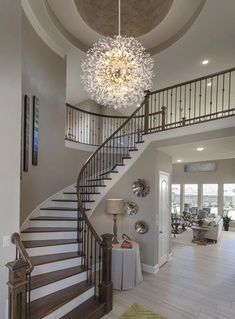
(44, 75)
(10, 116)
(225, 173)
(147, 167)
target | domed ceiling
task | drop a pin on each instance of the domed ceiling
(156, 23)
(137, 17)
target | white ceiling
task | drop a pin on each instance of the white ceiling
(215, 149)
(211, 36)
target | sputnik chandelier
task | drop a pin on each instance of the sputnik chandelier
(117, 70)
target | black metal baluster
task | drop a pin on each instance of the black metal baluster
(95, 270)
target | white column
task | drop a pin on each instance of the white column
(220, 199)
(200, 194)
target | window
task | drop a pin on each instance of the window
(229, 200)
(210, 198)
(191, 197)
(175, 199)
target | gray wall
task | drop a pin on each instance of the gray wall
(44, 75)
(225, 173)
(10, 116)
(147, 167)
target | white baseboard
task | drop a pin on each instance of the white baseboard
(150, 269)
(170, 256)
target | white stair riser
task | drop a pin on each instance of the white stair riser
(64, 204)
(58, 213)
(49, 235)
(60, 312)
(61, 284)
(58, 265)
(68, 196)
(53, 223)
(48, 250)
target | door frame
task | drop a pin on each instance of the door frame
(168, 219)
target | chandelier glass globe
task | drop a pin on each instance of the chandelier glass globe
(117, 71)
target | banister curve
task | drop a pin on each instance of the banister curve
(80, 205)
(15, 239)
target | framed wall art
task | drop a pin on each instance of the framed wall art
(200, 167)
(35, 127)
(26, 134)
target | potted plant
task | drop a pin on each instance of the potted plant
(226, 221)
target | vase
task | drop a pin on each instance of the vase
(226, 227)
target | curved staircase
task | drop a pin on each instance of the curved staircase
(67, 264)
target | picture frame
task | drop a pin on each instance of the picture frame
(35, 131)
(26, 133)
(200, 167)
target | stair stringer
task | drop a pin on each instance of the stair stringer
(46, 202)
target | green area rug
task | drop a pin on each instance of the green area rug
(138, 312)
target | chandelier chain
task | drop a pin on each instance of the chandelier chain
(119, 17)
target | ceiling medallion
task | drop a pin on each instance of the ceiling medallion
(117, 71)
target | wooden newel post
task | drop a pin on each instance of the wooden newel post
(106, 288)
(146, 112)
(17, 289)
(163, 117)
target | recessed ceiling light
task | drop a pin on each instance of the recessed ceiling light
(204, 62)
(199, 149)
(209, 84)
(179, 160)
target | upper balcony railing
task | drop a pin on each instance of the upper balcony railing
(203, 99)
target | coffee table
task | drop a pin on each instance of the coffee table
(199, 235)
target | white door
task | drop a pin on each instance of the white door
(163, 238)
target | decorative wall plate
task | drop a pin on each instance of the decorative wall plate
(140, 188)
(131, 208)
(141, 227)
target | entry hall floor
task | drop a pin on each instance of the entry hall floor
(198, 282)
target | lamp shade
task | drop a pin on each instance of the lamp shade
(115, 206)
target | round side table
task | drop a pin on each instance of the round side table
(126, 266)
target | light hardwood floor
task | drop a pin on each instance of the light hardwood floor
(198, 283)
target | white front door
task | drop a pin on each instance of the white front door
(163, 238)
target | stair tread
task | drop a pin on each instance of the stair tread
(100, 179)
(82, 193)
(49, 229)
(46, 259)
(93, 185)
(139, 142)
(64, 200)
(85, 309)
(72, 209)
(56, 218)
(50, 277)
(52, 242)
(41, 307)
(72, 200)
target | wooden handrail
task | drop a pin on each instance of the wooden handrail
(15, 239)
(105, 115)
(80, 204)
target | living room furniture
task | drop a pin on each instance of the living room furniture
(126, 267)
(215, 227)
(199, 235)
(115, 206)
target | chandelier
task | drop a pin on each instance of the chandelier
(117, 70)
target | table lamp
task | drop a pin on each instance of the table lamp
(115, 207)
